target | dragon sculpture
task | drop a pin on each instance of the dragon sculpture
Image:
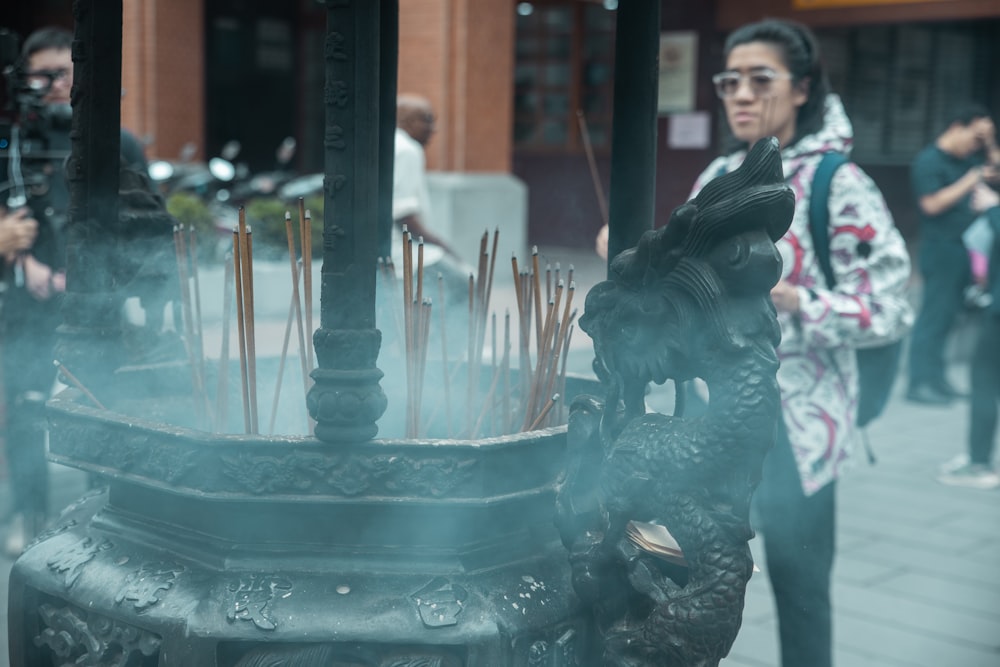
(691, 300)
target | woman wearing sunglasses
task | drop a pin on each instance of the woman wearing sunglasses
(774, 84)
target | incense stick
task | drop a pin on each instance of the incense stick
(557, 347)
(444, 357)
(190, 345)
(602, 201)
(418, 345)
(470, 389)
(307, 294)
(222, 388)
(241, 322)
(250, 328)
(79, 385)
(562, 371)
(506, 423)
(538, 299)
(281, 362)
(296, 269)
(544, 413)
(199, 329)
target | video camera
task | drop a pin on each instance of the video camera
(34, 135)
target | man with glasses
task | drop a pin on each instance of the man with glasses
(36, 194)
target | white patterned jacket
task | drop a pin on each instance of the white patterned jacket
(868, 305)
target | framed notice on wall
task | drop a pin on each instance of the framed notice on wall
(678, 68)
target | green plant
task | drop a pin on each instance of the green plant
(191, 211)
(267, 219)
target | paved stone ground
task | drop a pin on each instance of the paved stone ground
(916, 582)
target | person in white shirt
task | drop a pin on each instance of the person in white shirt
(410, 197)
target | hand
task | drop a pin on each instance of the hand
(40, 280)
(986, 132)
(601, 243)
(17, 233)
(983, 198)
(990, 174)
(785, 297)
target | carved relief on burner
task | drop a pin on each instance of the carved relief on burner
(76, 637)
(143, 587)
(70, 562)
(250, 599)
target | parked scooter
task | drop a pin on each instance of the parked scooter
(201, 179)
(216, 190)
(265, 183)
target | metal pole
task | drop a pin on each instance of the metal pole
(388, 66)
(347, 399)
(89, 338)
(633, 144)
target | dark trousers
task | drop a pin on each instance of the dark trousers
(798, 533)
(28, 376)
(985, 366)
(946, 274)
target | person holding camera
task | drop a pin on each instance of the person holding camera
(36, 194)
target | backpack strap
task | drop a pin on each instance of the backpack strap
(819, 211)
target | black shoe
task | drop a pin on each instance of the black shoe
(928, 395)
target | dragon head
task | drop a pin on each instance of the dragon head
(698, 287)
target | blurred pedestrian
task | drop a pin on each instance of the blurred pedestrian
(946, 175)
(774, 84)
(37, 189)
(411, 206)
(975, 468)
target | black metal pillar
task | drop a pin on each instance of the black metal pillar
(89, 338)
(633, 145)
(388, 67)
(347, 400)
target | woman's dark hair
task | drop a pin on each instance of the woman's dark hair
(799, 50)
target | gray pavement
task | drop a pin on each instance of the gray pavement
(916, 582)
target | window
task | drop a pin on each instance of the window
(564, 63)
(898, 82)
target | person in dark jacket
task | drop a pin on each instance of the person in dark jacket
(37, 194)
(945, 176)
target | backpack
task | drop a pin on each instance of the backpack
(877, 366)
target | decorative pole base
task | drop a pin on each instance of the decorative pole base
(347, 399)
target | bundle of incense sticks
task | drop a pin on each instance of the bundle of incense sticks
(545, 383)
(552, 341)
(480, 292)
(416, 330)
(243, 272)
(532, 404)
(185, 252)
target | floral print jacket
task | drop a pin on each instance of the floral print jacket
(868, 306)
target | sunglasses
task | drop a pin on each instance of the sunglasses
(761, 82)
